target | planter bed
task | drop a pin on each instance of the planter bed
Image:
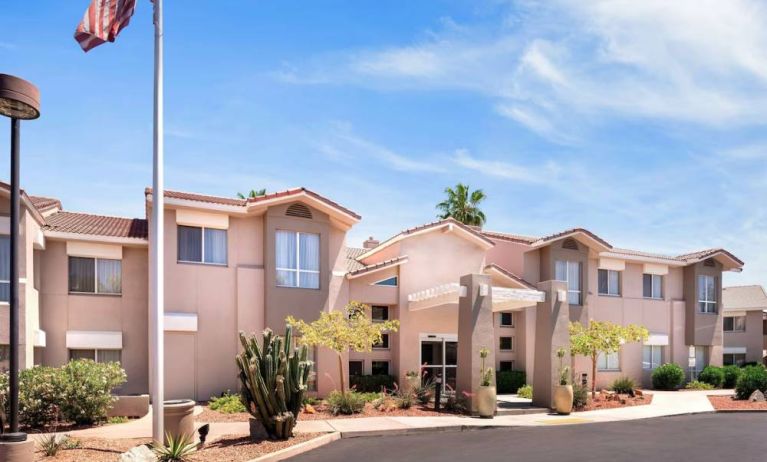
(620, 401)
(92, 450)
(417, 410)
(729, 403)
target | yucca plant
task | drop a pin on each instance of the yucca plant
(175, 449)
(51, 443)
(273, 377)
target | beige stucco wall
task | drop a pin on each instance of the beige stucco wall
(751, 338)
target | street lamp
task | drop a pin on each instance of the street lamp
(19, 100)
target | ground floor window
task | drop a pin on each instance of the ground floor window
(737, 359)
(356, 368)
(608, 362)
(100, 356)
(652, 356)
(439, 359)
(379, 367)
(504, 366)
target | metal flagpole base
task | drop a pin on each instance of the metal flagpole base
(16, 447)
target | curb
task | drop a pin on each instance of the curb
(739, 411)
(300, 448)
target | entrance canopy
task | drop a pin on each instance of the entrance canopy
(504, 298)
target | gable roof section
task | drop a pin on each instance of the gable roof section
(509, 237)
(368, 269)
(43, 204)
(595, 241)
(72, 224)
(494, 268)
(744, 298)
(449, 224)
(352, 253)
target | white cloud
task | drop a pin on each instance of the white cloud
(506, 170)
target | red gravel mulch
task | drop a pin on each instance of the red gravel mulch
(92, 450)
(418, 410)
(208, 416)
(729, 403)
(602, 402)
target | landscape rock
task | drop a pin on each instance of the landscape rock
(757, 397)
(309, 409)
(638, 392)
(138, 454)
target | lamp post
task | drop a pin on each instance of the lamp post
(19, 100)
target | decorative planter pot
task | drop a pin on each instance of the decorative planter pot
(486, 402)
(563, 399)
(179, 418)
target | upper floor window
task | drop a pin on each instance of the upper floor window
(5, 268)
(608, 362)
(507, 319)
(652, 286)
(298, 259)
(734, 323)
(380, 313)
(95, 275)
(609, 282)
(706, 294)
(391, 282)
(570, 272)
(201, 245)
(506, 343)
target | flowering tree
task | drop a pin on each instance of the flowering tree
(602, 337)
(343, 330)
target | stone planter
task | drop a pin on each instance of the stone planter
(486, 402)
(563, 399)
(130, 406)
(17, 451)
(179, 418)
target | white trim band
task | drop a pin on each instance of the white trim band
(105, 340)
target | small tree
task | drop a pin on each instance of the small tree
(602, 337)
(343, 330)
(252, 194)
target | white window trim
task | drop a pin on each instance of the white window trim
(567, 275)
(706, 301)
(511, 337)
(607, 368)
(652, 348)
(500, 320)
(95, 353)
(297, 270)
(608, 293)
(96, 277)
(733, 324)
(202, 244)
(652, 286)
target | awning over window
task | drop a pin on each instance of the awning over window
(180, 322)
(657, 339)
(734, 350)
(107, 340)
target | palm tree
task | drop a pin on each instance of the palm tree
(463, 205)
(252, 194)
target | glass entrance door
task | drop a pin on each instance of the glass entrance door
(439, 359)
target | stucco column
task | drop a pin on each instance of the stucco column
(552, 318)
(475, 331)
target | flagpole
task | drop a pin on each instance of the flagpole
(157, 348)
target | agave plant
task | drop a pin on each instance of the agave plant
(175, 449)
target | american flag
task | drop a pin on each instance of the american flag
(103, 20)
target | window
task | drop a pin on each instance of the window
(570, 272)
(384, 344)
(380, 313)
(737, 359)
(298, 259)
(608, 362)
(701, 358)
(652, 286)
(5, 268)
(504, 366)
(356, 368)
(379, 367)
(652, 355)
(506, 343)
(100, 356)
(95, 275)
(507, 319)
(390, 282)
(609, 282)
(706, 294)
(201, 245)
(734, 323)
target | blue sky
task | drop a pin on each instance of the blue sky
(642, 121)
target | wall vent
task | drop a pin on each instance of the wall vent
(570, 243)
(299, 211)
(709, 262)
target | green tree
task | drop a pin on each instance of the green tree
(602, 337)
(343, 330)
(252, 194)
(463, 205)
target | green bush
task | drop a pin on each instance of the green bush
(580, 396)
(227, 403)
(698, 385)
(667, 377)
(525, 391)
(41, 396)
(371, 383)
(713, 376)
(731, 374)
(345, 403)
(751, 379)
(509, 381)
(88, 387)
(623, 385)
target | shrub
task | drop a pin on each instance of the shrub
(713, 376)
(345, 403)
(731, 374)
(311, 400)
(751, 379)
(52, 443)
(227, 403)
(623, 385)
(525, 391)
(88, 387)
(698, 385)
(41, 396)
(509, 381)
(580, 396)
(371, 383)
(667, 377)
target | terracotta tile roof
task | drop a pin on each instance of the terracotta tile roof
(510, 275)
(510, 237)
(639, 253)
(97, 225)
(703, 254)
(44, 203)
(434, 224)
(744, 298)
(555, 236)
(376, 266)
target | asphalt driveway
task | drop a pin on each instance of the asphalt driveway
(699, 438)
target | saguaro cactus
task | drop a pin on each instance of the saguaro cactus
(273, 378)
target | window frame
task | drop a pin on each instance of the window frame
(362, 367)
(384, 345)
(617, 288)
(297, 270)
(511, 343)
(95, 277)
(95, 354)
(505, 361)
(652, 348)
(379, 283)
(372, 311)
(202, 247)
(734, 362)
(706, 302)
(734, 324)
(607, 367)
(579, 291)
(652, 286)
(388, 366)
(501, 323)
